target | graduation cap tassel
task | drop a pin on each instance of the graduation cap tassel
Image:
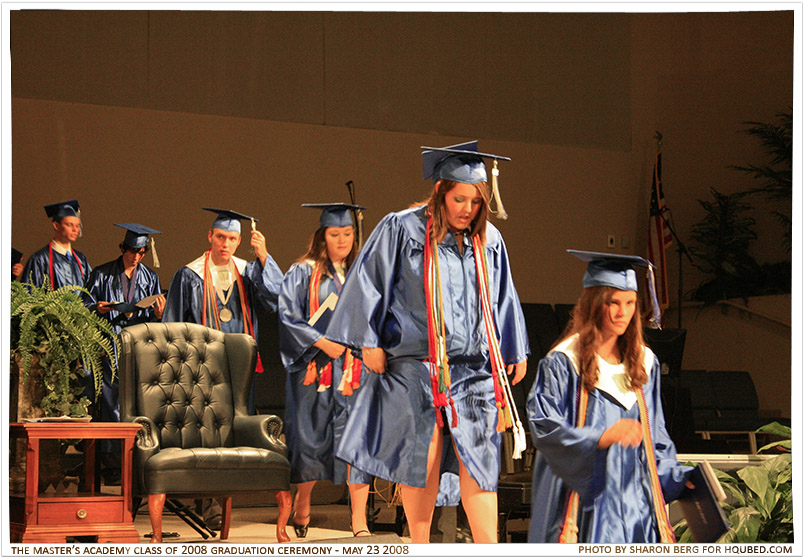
(495, 189)
(153, 252)
(656, 318)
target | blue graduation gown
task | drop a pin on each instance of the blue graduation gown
(105, 284)
(185, 298)
(314, 421)
(383, 305)
(65, 270)
(614, 483)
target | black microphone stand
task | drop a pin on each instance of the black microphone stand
(682, 249)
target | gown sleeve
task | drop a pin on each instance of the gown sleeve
(265, 281)
(296, 337)
(672, 475)
(514, 344)
(571, 452)
(184, 302)
(35, 270)
(360, 315)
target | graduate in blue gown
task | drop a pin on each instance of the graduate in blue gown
(209, 290)
(435, 391)
(115, 288)
(602, 476)
(221, 291)
(59, 262)
(322, 377)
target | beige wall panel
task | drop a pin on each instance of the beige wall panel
(266, 65)
(517, 77)
(98, 57)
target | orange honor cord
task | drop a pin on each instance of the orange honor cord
(569, 530)
(436, 337)
(666, 534)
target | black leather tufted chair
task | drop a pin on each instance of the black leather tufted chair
(188, 385)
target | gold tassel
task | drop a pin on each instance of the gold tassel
(495, 190)
(153, 252)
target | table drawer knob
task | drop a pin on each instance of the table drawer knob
(81, 514)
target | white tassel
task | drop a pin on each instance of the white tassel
(153, 252)
(495, 190)
(520, 440)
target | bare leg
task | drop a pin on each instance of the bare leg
(301, 506)
(480, 506)
(419, 503)
(358, 496)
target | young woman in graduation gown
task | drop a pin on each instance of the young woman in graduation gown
(432, 407)
(605, 465)
(321, 375)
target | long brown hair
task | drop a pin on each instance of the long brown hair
(587, 321)
(436, 207)
(317, 251)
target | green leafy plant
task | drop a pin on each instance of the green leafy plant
(64, 338)
(759, 501)
(777, 174)
(721, 246)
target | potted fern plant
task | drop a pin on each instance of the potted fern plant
(55, 340)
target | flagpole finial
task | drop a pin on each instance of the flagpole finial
(658, 138)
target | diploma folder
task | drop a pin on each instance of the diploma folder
(701, 506)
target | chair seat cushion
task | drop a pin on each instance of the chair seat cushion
(216, 470)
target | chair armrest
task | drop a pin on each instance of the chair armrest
(259, 431)
(146, 445)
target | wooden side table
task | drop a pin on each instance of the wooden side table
(50, 518)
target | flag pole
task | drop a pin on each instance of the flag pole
(681, 248)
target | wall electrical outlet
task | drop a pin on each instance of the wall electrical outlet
(611, 241)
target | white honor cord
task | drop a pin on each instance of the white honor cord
(520, 442)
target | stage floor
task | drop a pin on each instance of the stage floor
(258, 525)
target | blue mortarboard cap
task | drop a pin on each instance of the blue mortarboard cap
(228, 220)
(335, 214)
(617, 270)
(460, 162)
(57, 211)
(136, 234)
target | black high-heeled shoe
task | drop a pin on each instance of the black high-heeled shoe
(301, 530)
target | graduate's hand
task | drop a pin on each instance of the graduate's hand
(518, 370)
(626, 432)
(159, 306)
(332, 349)
(104, 308)
(374, 359)
(16, 270)
(258, 243)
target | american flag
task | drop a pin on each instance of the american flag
(659, 236)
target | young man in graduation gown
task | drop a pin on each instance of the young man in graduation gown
(115, 288)
(58, 261)
(220, 291)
